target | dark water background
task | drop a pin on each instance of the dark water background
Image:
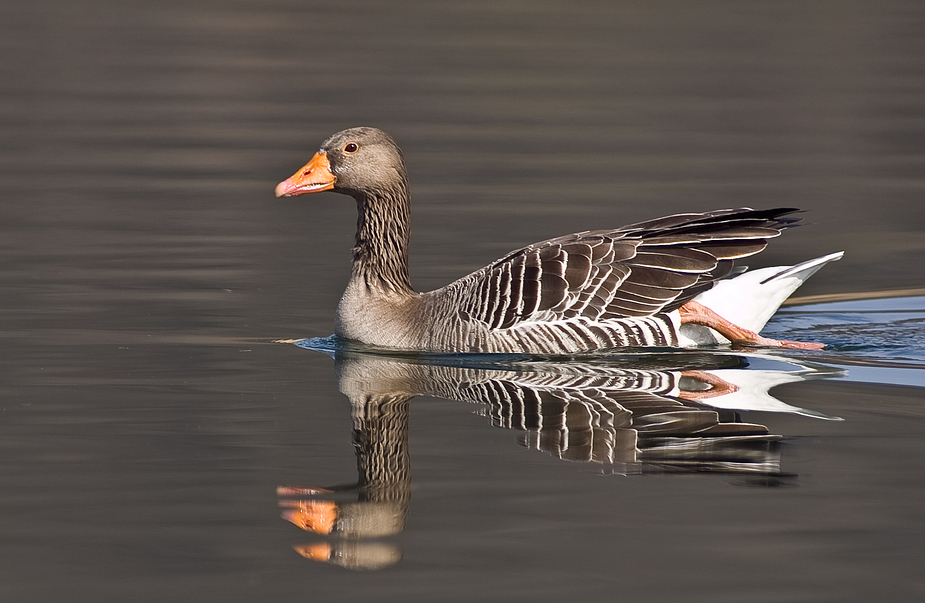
(146, 419)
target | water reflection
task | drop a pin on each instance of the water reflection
(629, 415)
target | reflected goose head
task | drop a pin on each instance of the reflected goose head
(356, 162)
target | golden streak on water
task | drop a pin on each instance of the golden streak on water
(839, 297)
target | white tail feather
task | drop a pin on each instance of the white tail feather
(751, 299)
(753, 391)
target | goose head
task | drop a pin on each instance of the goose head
(358, 162)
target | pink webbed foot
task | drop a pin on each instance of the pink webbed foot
(717, 387)
(791, 345)
(694, 312)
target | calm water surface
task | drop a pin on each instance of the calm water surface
(158, 445)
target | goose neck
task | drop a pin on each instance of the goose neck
(380, 256)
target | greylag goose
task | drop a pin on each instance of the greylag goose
(632, 286)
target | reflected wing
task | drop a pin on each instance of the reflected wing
(626, 416)
(638, 270)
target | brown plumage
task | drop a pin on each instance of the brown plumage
(580, 292)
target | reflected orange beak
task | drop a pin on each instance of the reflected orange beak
(314, 177)
(318, 516)
(320, 551)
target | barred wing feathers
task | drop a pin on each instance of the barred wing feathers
(638, 270)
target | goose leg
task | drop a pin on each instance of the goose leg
(718, 387)
(699, 314)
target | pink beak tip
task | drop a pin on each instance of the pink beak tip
(282, 189)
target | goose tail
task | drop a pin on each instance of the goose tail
(750, 299)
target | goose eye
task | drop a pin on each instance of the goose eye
(351, 148)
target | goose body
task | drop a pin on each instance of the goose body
(637, 285)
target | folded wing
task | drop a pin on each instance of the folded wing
(635, 271)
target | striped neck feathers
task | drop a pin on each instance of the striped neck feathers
(380, 256)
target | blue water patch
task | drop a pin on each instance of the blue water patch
(883, 328)
(876, 340)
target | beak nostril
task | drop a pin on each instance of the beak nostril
(312, 177)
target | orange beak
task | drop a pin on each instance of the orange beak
(320, 551)
(314, 177)
(318, 516)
